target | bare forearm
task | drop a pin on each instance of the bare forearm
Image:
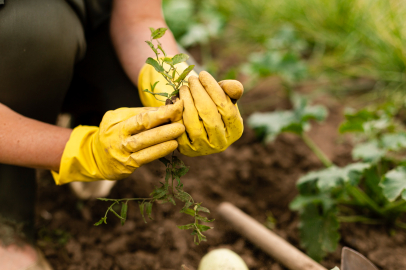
(130, 28)
(30, 143)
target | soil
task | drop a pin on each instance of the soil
(259, 179)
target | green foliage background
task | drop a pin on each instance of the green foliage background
(338, 39)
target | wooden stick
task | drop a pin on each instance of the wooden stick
(268, 241)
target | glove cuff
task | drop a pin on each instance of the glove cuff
(78, 162)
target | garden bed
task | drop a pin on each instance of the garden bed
(259, 179)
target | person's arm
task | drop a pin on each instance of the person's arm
(211, 120)
(130, 23)
(29, 143)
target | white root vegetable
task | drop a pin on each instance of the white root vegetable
(222, 259)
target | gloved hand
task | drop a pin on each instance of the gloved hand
(211, 119)
(126, 139)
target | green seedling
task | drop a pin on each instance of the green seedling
(165, 65)
(171, 189)
(371, 190)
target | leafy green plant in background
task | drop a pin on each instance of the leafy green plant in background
(195, 22)
(282, 57)
(172, 188)
(357, 42)
(192, 22)
(371, 190)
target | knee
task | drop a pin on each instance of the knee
(40, 42)
(43, 29)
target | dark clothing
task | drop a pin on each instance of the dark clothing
(55, 56)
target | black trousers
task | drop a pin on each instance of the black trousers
(50, 64)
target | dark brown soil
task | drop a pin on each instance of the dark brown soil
(259, 179)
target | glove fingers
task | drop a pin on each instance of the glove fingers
(153, 118)
(112, 118)
(194, 127)
(153, 137)
(233, 88)
(154, 152)
(208, 112)
(223, 102)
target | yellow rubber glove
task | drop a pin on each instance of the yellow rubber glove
(211, 119)
(127, 138)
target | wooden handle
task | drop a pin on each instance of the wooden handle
(268, 241)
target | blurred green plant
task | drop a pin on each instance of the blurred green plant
(192, 22)
(52, 238)
(371, 190)
(282, 57)
(347, 41)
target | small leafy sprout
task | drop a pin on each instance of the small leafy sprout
(167, 192)
(172, 188)
(165, 65)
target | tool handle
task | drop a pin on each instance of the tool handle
(268, 241)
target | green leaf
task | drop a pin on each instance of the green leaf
(319, 231)
(394, 183)
(185, 73)
(152, 46)
(186, 227)
(162, 50)
(372, 188)
(335, 268)
(156, 94)
(155, 64)
(202, 209)
(351, 127)
(183, 196)
(301, 201)
(124, 208)
(179, 58)
(153, 86)
(187, 205)
(368, 152)
(165, 161)
(188, 211)
(394, 142)
(203, 228)
(148, 209)
(152, 30)
(304, 112)
(158, 33)
(204, 219)
(333, 176)
(100, 222)
(182, 171)
(355, 120)
(160, 194)
(168, 60)
(269, 125)
(141, 204)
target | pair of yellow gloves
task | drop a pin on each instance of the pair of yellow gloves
(204, 121)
